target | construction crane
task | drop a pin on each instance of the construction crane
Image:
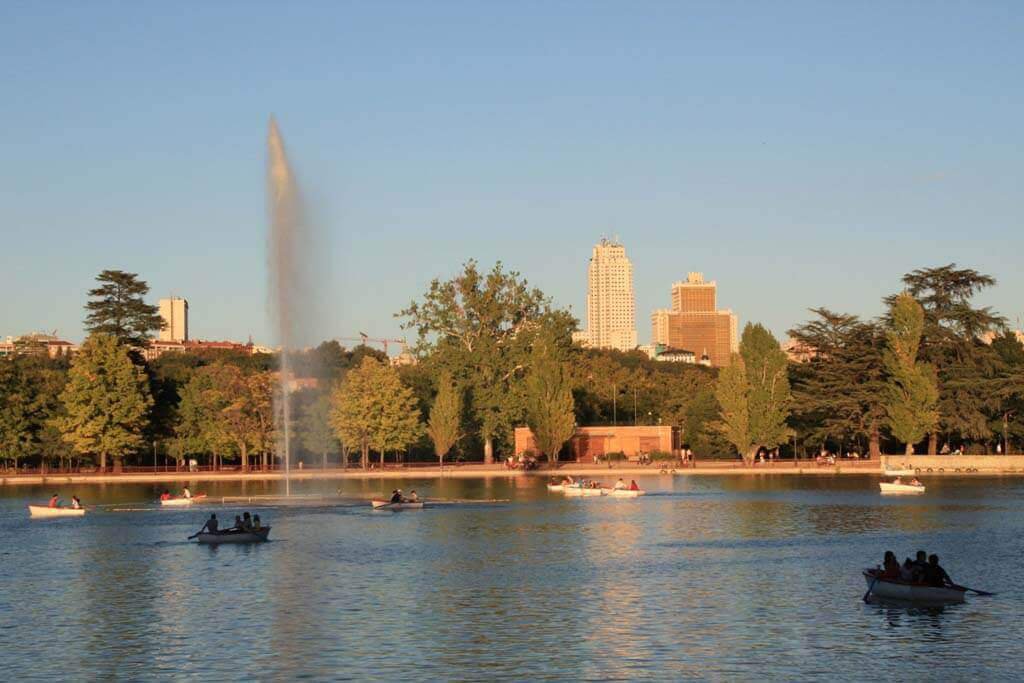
(363, 338)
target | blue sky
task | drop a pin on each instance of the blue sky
(801, 154)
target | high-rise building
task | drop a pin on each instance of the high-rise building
(611, 306)
(174, 311)
(694, 323)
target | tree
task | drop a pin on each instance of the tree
(445, 423)
(315, 432)
(479, 327)
(969, 373)
(372, 408)
(17, 426)
(755, 395)
(733, 393)
(107, 401)
(549, 402)
(911, 392)
(839, 390)
(118, 309)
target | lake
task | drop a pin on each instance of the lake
(733, 577)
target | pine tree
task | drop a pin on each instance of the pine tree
(911, 392)
(107, 401)
(445, 423)
(549, 402)
(120, 311)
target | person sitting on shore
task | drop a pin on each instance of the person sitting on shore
(256, 524)
(211, 524)
(633, 486)
(619, 485)
(185, 493)
(935, 575)
(890, 566)
(413, 497)
(75, 503)
(54, 501)
(166, 495)
(396, 496)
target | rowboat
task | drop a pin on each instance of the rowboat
(228, 536)
(887, 487)
(583, 491)
(556, 487)
(42, 511)
(181, 502)
(625, 493)
(888, 589)
(907, 472)
(388, 505)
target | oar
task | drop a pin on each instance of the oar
(976, 591)
(196, 534)
(870, 588)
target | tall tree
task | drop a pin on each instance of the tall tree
(372, 408)
(315, 432)
(118, 309)
(106, 400)
(839, 390)
(911, 392)
(445, 423)
(755, 395)
(549, 403)
(968, 371)
(479, 327)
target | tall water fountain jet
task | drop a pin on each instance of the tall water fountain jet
(292, 265)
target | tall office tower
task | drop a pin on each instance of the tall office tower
(694, 324)
(611, 306)
(174, 311)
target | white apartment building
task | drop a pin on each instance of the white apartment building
(611, 305)
(174, 311)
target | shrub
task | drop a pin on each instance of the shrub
(661, 456)
(615, 456)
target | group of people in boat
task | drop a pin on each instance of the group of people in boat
(185, 493)
(620, 485)
(924, 570)
(913, 481)
(76, 504)
(243, 523)
(397, 497)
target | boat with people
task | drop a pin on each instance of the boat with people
(181, 501)
(45, 511)
(899, 486)
(906, 591)
(558, 488)
(401, 505)
(584, 490)
(625, 493)
(233, 536)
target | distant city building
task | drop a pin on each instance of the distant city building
(37, 342)
(588, 443)
(611, 306)
(157, 348)
(174, 311)
(664, 354)
(694, 322)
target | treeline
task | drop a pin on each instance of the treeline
(495, 354)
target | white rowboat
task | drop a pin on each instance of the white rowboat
(388, 505)
(885, 487)
(585, 492)
(625, 493)
(899, 473)
(182, 502)
(234, 536)
(43, 511)
(556, 487)
(907, 592)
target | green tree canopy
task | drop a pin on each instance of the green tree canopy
(549, 401)
(445, 423)
(106, 400)
(118, 309)
(911, 393)
(315, 432)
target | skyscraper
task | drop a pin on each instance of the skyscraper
(694, 323)
(174, 311)
(611, 306)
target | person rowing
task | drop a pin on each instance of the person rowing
(620, 485)
(396, 496)
(211, 525)
(166, 495)
(935, 575)
(54, 501)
